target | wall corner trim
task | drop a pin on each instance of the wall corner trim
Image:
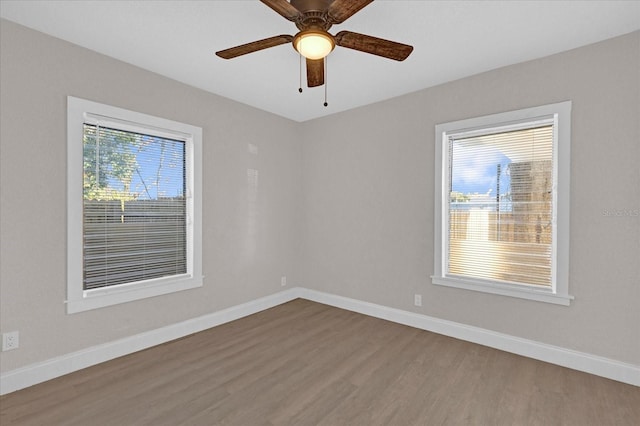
(33, 374)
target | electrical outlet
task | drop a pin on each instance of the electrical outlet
(417, 299)
(10, 340)
(283, 281)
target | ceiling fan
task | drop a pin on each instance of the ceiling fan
(314, 18)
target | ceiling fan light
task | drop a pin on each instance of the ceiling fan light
(314, 44)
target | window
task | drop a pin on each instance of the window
(502, 204)
(134, 207)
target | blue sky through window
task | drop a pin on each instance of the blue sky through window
(130, 165)
(475, 169)
(160, 171)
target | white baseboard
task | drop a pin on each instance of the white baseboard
(50, 369)
(42, 371)
(592, 364)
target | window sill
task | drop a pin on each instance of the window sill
(521, 292)
(103, 297)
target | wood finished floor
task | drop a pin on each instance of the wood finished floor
(303, 363)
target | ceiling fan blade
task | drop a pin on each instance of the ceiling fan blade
(284, 8)
(373, 45)
(254, 46)
(315, 72)
(341, 10)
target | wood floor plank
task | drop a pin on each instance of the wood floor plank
(304, 363)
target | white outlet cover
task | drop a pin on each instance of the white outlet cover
(10, 340)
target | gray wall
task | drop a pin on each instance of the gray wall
(368, 199)
(346, 210)
(247, 246)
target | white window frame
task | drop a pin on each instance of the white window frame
(558, 293)
(80, 111)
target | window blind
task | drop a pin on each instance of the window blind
(134, 207)
(501, 205)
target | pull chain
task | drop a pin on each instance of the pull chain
(300, 87)
(326, 80)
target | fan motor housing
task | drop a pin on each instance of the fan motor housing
(314, 14)
(311, 5)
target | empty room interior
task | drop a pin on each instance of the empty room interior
(435, 221)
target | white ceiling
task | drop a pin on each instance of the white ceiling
(452, 39)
